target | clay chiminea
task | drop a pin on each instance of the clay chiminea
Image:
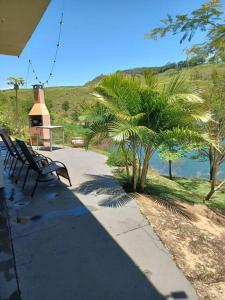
(39, 116)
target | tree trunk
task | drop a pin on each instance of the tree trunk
(170, 170)
(213, 182)
(134, 165)
(210, 162)
(17, 112)
(209, 195)
(145, 166)
(126, 163)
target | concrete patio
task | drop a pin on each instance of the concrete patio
(89, 241)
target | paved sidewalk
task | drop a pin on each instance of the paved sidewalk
(89, 241)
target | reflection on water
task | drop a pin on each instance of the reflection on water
(185, 167)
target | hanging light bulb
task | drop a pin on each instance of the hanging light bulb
(54, 57)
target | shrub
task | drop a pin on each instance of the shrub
(116, 158)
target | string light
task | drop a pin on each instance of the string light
(30, 64)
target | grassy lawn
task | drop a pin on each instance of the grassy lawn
(192, 190)
(199, 188)
(186, 189)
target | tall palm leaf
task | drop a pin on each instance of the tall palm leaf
(16, 82)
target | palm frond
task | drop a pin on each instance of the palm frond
(122, 131)
(185, 97)
(99, 130)
(151, 79)
(129, 118)
(180, 135)
(121, 92)
(173, 206)
(179, 89)
(176, 85)
(204, 117)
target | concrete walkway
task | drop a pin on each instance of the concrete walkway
(89, 241)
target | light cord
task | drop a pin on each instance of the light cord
(30, 64)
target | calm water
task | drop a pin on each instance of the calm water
(185, 167)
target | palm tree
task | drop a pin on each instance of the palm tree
(143, 116)
(214, 96)
(16, 82)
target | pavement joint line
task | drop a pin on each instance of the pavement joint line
(133, 229)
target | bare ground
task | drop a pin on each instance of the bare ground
(195, 236)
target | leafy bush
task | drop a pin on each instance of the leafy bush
(65, 106)
(6, 124)
(116, 158)
(72, 130)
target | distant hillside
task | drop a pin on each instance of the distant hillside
(54, 98)
(200, 72)
(77, 95)
(95, 81)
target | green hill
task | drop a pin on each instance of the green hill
(77, 95)
(54, 97)
(201, 73)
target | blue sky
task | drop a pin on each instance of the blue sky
(98, 37)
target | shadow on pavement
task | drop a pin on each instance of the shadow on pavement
(70, 255)
(105, 185)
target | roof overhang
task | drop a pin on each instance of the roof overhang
(18, 20)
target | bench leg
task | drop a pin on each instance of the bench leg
(14, 168)
(6, 159)
(25, 179)
(20, 170)
(35, 186)
(11, 165)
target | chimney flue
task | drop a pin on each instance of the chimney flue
(38, 93)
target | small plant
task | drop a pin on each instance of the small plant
(65, 106)
(117, 159)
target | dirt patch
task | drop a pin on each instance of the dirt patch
(195, 236)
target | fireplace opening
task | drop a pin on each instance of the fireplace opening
(36, 121)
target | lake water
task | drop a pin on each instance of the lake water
(185, 167)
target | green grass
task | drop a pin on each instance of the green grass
(185, 189)
(200, 188)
